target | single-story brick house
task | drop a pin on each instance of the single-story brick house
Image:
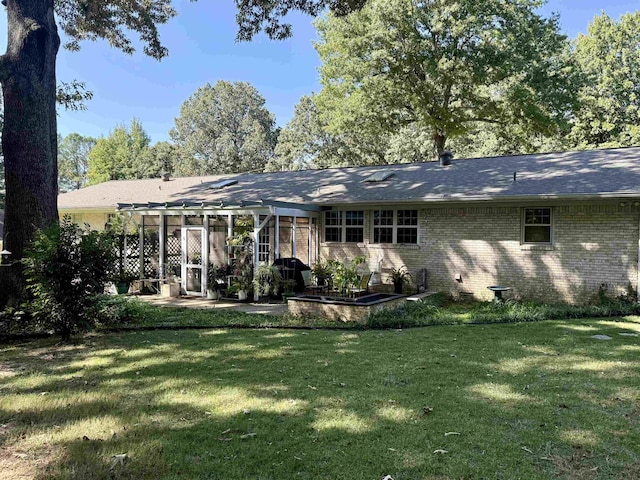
(551, 226)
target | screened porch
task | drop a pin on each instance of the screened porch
(178, 243)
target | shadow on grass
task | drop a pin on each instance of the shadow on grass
(504, 401)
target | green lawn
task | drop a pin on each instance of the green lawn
(533, 400)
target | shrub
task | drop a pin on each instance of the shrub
(109, 311)
(65, 268)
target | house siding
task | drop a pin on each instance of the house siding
(95, 220)
(593, 245)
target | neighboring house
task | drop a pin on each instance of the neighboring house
(552, 226)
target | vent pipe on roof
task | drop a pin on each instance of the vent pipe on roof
(165, 176)
(445, 158)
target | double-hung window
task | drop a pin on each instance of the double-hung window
(344, 226)
(536, 225)
(395, 226)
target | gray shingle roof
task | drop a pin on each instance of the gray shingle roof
(582, 174)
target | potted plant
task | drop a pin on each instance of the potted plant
(322, 272)
(243, 273)
(400, 276)
(267, 280)
(216, 279)
(122, 278)
(241, 286)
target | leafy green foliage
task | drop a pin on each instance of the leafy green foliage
(344, 275)
(122, 155)
(115, 311)
(306, 142)
(267, 280)
(224, 128)
(65, 267)
(159, 158)
(440, 309)
(444, 67)
(73, 95)
(73, 161)
(255, 16)
(112, 20)
(609, 56)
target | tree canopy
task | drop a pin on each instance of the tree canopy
(444, 66)
(73, 161)
(121, 155)
(224, 128)
(609, 55)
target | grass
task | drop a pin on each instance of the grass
(530, 401)
(439, 309)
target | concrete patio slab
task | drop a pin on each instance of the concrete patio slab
(203, 303)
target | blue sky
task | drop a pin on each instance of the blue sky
(202, 49)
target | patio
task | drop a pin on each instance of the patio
(202, 303)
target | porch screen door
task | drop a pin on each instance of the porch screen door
(193, 252)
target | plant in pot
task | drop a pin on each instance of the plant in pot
(400, 276)
(241, 285)
(322, 272)
(243, 276)
(216, 279)
(267, 280)
(122, 280)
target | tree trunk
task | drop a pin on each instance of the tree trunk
(29, 133)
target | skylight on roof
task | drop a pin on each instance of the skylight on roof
(379, 177)
(224, 183)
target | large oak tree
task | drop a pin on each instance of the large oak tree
(224, 128)
(609, 56)
(28, 79)
(446, 66)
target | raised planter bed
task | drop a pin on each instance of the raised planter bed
(344, 309)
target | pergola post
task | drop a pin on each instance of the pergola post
(162, 247)
(205, 260)
(277, 235)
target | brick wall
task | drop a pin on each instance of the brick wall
(593, 245)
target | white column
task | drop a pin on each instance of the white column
(256, 248)
(162, 250)
(309, 241)
(293, 237)
(277, 234)
(205, 260)
(141, 247)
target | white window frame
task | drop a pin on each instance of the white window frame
(343, 226)
(524, 225)
(395, 226)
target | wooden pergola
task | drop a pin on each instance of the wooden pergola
(280, 229)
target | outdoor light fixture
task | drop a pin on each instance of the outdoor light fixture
(5, 255)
